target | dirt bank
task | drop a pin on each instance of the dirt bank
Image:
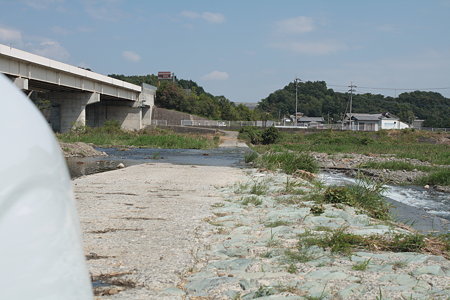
(79, 149)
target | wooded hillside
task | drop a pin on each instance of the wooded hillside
(315, 99)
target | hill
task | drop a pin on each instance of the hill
(187, 96)
(316, 99)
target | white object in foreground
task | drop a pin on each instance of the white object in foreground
(40, 246)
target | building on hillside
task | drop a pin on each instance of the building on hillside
(166, 76)
(373, 122)
(310, 121)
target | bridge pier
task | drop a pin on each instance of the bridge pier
(73, 107)
(21, 83)
(129, 116)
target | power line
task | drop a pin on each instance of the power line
(393, 89)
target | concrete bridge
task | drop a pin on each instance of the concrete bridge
(78, 96)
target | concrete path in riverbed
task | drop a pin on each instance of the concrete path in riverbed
(230, 139)
(142, 224)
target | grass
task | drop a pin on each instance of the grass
(259, 188)
(254, 200)
(401, 143)
(277, 223)
(441, 177)
(272, 242)
(339, 241)
(288, 162)
(250, 157)
(292, 187)
(363, 194)
(241, 188)
(300, 256)
(292, 269)
(112, 135)
(362, 266)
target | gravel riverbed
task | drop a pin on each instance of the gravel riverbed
(161, 231)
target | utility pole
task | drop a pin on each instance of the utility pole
(296, 80)
(351, 90)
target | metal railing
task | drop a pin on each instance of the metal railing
(318, 126)
(434, 129)
(159, 122)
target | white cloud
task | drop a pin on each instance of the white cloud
(213, 17)
(216, 75)
(190, 14)
(131, 56)
(312, 48)
(8, 35)
(206, 16)
(38, 45)
(297, 25)
(50, 49)
(41, 4)
(104, 10)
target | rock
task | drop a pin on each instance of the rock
(173, 291)
(426, 186)
(200, 287)
(234, 264)
(432, 270)
(327, 275)
(80, 149)
(120, 166)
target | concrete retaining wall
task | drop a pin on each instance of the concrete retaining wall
(173, 117)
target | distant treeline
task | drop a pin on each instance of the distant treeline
(315, 99)
(187, 96)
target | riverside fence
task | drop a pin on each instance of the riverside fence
(239, 124)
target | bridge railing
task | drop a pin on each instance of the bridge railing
(159, 122)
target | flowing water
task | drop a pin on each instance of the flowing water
(422, 209)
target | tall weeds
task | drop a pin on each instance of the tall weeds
(112, 135)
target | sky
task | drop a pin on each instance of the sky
(245, 49)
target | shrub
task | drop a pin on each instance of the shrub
(270, 136)
(338, 194)
(252, 134)
(317, 209)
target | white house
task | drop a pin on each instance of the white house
(310, 121)
(373, 122)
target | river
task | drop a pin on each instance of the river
(424, 210)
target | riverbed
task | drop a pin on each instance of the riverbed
(425, 210)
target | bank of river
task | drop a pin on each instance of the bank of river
(424, 210)
(166, 231)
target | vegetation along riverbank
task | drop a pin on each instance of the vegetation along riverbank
(111, 135)
(399, 157)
